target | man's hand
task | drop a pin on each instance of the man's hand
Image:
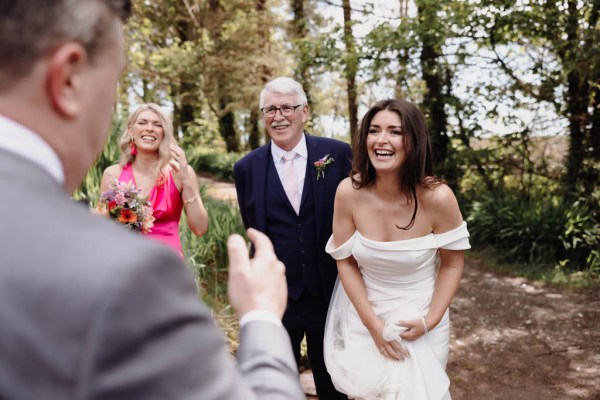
(258, 283)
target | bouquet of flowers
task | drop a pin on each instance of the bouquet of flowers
(122, 202)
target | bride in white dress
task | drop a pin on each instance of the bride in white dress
(398, 238)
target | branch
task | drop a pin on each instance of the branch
(520, 85)
(191, 12)
(360, 10)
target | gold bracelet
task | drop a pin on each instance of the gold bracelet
(188, 201)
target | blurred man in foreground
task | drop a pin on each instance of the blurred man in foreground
(87, 309)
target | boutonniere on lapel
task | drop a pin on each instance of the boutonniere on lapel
(321, 164)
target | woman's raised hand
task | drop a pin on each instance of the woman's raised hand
(179, 163)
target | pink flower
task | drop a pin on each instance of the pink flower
(320, 165)
(120, 198)
(122, 202)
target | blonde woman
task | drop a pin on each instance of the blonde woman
(151, 159)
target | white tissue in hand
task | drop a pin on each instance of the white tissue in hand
(392, 331)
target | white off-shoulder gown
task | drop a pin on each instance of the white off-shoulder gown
(399, 277)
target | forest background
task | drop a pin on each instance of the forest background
(510, 88)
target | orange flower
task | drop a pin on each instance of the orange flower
(127, 216)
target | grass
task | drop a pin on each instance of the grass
(546, 274)
(207, 258)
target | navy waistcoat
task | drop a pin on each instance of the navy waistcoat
(294, 237)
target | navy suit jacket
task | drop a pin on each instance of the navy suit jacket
(252, 190)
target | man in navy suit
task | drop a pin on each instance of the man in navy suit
(282, 192)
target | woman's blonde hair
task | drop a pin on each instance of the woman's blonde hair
(164, 150)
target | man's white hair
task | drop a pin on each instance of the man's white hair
(284, 85)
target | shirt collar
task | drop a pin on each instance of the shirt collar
(22, 141)
(300, 149)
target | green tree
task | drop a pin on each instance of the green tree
(560, 38)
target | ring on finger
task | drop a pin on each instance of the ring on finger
(382, 350)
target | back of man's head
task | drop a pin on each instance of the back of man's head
(30, 29)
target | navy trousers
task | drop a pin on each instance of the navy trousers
(306, 316)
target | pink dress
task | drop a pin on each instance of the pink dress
(167, 204)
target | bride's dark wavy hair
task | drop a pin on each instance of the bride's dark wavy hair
(417, 169)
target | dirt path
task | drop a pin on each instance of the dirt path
(513, 339)
(219, 190)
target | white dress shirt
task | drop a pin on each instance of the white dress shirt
(20, 140)
(299, 162)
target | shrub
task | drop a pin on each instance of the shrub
(580, 238)
(521, 229)
(217, 163)
(543, 230)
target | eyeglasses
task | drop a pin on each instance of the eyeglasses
(286, 110)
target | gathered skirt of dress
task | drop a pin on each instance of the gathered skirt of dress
(399, 278)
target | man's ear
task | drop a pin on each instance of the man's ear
(305, 113)
(64, 81)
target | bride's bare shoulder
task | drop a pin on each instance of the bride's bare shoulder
(437, 194)
(440, 205)
(348, 189)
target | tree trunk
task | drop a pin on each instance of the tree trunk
(351, 68)
(434, 99)
(402, 56)
(227, 129)
(264, 72)
(595, 134)
(254, 135)
(187, 88)
(577, 96)
(594, 131)
(300, 33)
(226, 117)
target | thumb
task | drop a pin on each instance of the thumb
(238, 253)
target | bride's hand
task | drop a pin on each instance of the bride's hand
(391, 349)
(415, 328)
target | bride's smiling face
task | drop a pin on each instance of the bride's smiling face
(147, 131)
(385, 142)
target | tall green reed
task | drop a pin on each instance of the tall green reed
(207, 255)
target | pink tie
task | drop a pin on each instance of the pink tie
(290, 180)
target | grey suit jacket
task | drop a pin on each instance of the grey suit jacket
(91, 311)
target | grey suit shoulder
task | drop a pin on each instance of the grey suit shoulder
(91, 311)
